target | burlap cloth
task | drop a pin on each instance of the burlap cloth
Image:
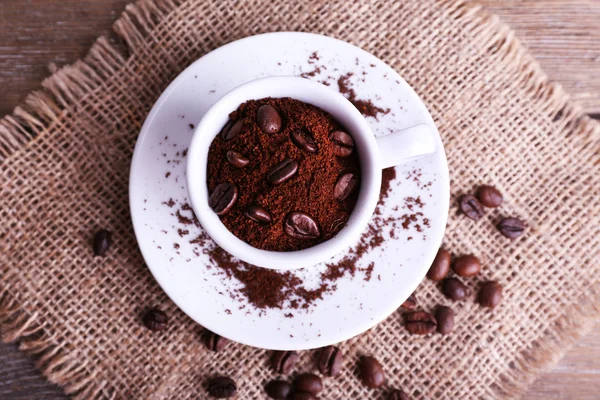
(65, 160)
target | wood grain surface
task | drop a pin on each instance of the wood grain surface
(563, 35)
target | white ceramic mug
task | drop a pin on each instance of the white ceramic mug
(374, 154)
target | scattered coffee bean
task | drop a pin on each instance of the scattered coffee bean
(410, 303)
(398, 395)
(222, 387)
(282, 171)
(283, 362)
(236, 159)
(232, 129)
(490, 294)
(268, 119)
(489, 196)
(345, 186)
(214, 342)
(223, 198)
(445, 319)
(454, 289)
(102, 241)
(466, 266)
(440, 267)
(278, 389)
(301, 396)
(301, 226)
(330, 361)
(155, 320)
(258, 214)
(512, 228)
(343, 143)
(419, 322)
(371, 372)
(471, 207)
(304, 141)
(308, 383)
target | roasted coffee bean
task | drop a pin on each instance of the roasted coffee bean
(489, 196)
(214, 342)
(466, 266)
(236, 159)
(471, 207)
(410, 303)
(490, 294)
(345, 186)
(222, 387)
(301, 226)
(512, 228)
(330, 361)
(278, 389)
(371, 372)
(308, 383)
(155, 320)
(102, 241)
(268, 119)
(419, 322)
(232, 129)
(440, 267)
(283, 362)
(398, 395)
(304, 141)
(343, 144)
(223, 198)
(282, 171)
(445, 319)
(301, 396)
(454, 289)
(258, 214)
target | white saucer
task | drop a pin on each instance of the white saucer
(185, 274)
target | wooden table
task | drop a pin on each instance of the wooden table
(563, 35)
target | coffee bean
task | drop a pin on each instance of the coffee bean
(454, 289)
(282, 171)
(222, 387)
(301, 396)
(398, 395)
(308, 383)
(490, 294)
(102, 241)
(489, 196)
(512, 228)
(343, 144)
(445, 319)
(232, 129)
(268, 119)
(330, 361)
(410, 303)
(236, 159)
(419, 322)
(223, 198)
(155, 320)
(304, 141)
(278, 390)
(471, 207)
(301, 226)
(258, 214)
(440, 267)
(345, 186)
(371, 372)
(283, 362)
(466, 266)
(214, 342)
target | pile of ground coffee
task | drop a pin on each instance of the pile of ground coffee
(283, 175)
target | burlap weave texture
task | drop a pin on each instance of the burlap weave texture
(64, 163)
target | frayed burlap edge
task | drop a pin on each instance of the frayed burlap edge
(62, 92)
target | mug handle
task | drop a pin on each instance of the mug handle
(398, 147)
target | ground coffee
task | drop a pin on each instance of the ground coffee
(283, 175)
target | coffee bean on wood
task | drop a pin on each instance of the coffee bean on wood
(440, 267)
(371, 372)
(102, 242)
(454, 289)
(511, 228)
(471, 207)
(445, 319)
(419, 322)
(467, 265)
(283, 362)
(490, 294)
(278, 389)
(222, 387)
(330, 361)
(308, 383)
(489, 196)
(155, 320)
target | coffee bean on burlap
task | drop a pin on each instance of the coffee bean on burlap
(102, 242)
(283, 362)
(410, 303)
(278, 389)
(258, 214)
(445, 319)
(268, 119)
(223, 197)
(155, 320)
(232, 129)
(440, 267)
(301, 396)
(490, 294)
(282, 172)
(489, 196)
(214, 342)
(471, 207)
(398, 395)
(308, 383)
(301, 226)
(454, 289)
(222, 387)
(237, 159)
(343, 143)
(419, 322)
(467, 265)
(511, 228)
(330, 361)
(304, 141)
(371, 372)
